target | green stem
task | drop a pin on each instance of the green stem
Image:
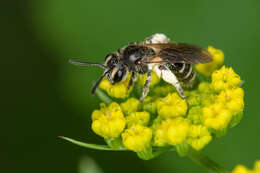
(205, 162)
(103, 97)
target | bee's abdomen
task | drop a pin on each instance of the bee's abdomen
(184, 73)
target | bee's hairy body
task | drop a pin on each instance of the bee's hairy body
(170, 61)
(134, 53)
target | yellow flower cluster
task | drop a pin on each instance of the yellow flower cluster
(233, 99)
(142, 78)
(137, 138)
(225, 78)
(141, 118)
(217, 60)
(162, 119)
(243, 169)
(130, 105)
(171, 132)
(216, 116)
(228, 102)
(171, 106)
(198, 136)
(108, 122)
(118, 90)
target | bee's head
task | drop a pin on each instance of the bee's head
(116, 71)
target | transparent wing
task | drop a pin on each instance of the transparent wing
(179, 53)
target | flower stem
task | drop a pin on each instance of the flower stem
(103, 97)
(205, 162)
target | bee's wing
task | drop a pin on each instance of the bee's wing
(179, 53)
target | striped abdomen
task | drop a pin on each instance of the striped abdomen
(184, 73)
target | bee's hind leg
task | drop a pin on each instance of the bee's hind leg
(181, 93)
(169, 77)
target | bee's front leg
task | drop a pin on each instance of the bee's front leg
(132, 79)
(146, 86)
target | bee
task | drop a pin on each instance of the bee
(170, 61)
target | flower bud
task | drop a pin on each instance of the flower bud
(216, 116)
(225, 78)
(130, 105)
(171, 106)
(108, 122)
(198, 136)
(141, 118)
(137, 138)
(217, 61)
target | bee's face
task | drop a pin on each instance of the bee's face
(117, 71)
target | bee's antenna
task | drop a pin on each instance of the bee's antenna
(97, 83)
(74, 62)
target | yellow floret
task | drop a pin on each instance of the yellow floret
(241, 169)
(233, 99)
(225, 78)
(178, 130)
(137, 138)
(130, 105)
(171, 106)
(160, 128)
(198, 136)
(142, 79)
(171, 131)
(216, 116)
(257, 166)
(108, 122)
(217, 61)
(141, 118)
(118, 90)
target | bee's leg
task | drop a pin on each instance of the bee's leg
(131, 81)
(146, 86)
(168, 76)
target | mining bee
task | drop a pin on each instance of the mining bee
(170, 61)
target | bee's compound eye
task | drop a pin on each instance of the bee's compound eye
(118, 75)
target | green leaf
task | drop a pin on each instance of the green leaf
(92, 146)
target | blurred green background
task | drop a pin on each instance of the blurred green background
(42, 96)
